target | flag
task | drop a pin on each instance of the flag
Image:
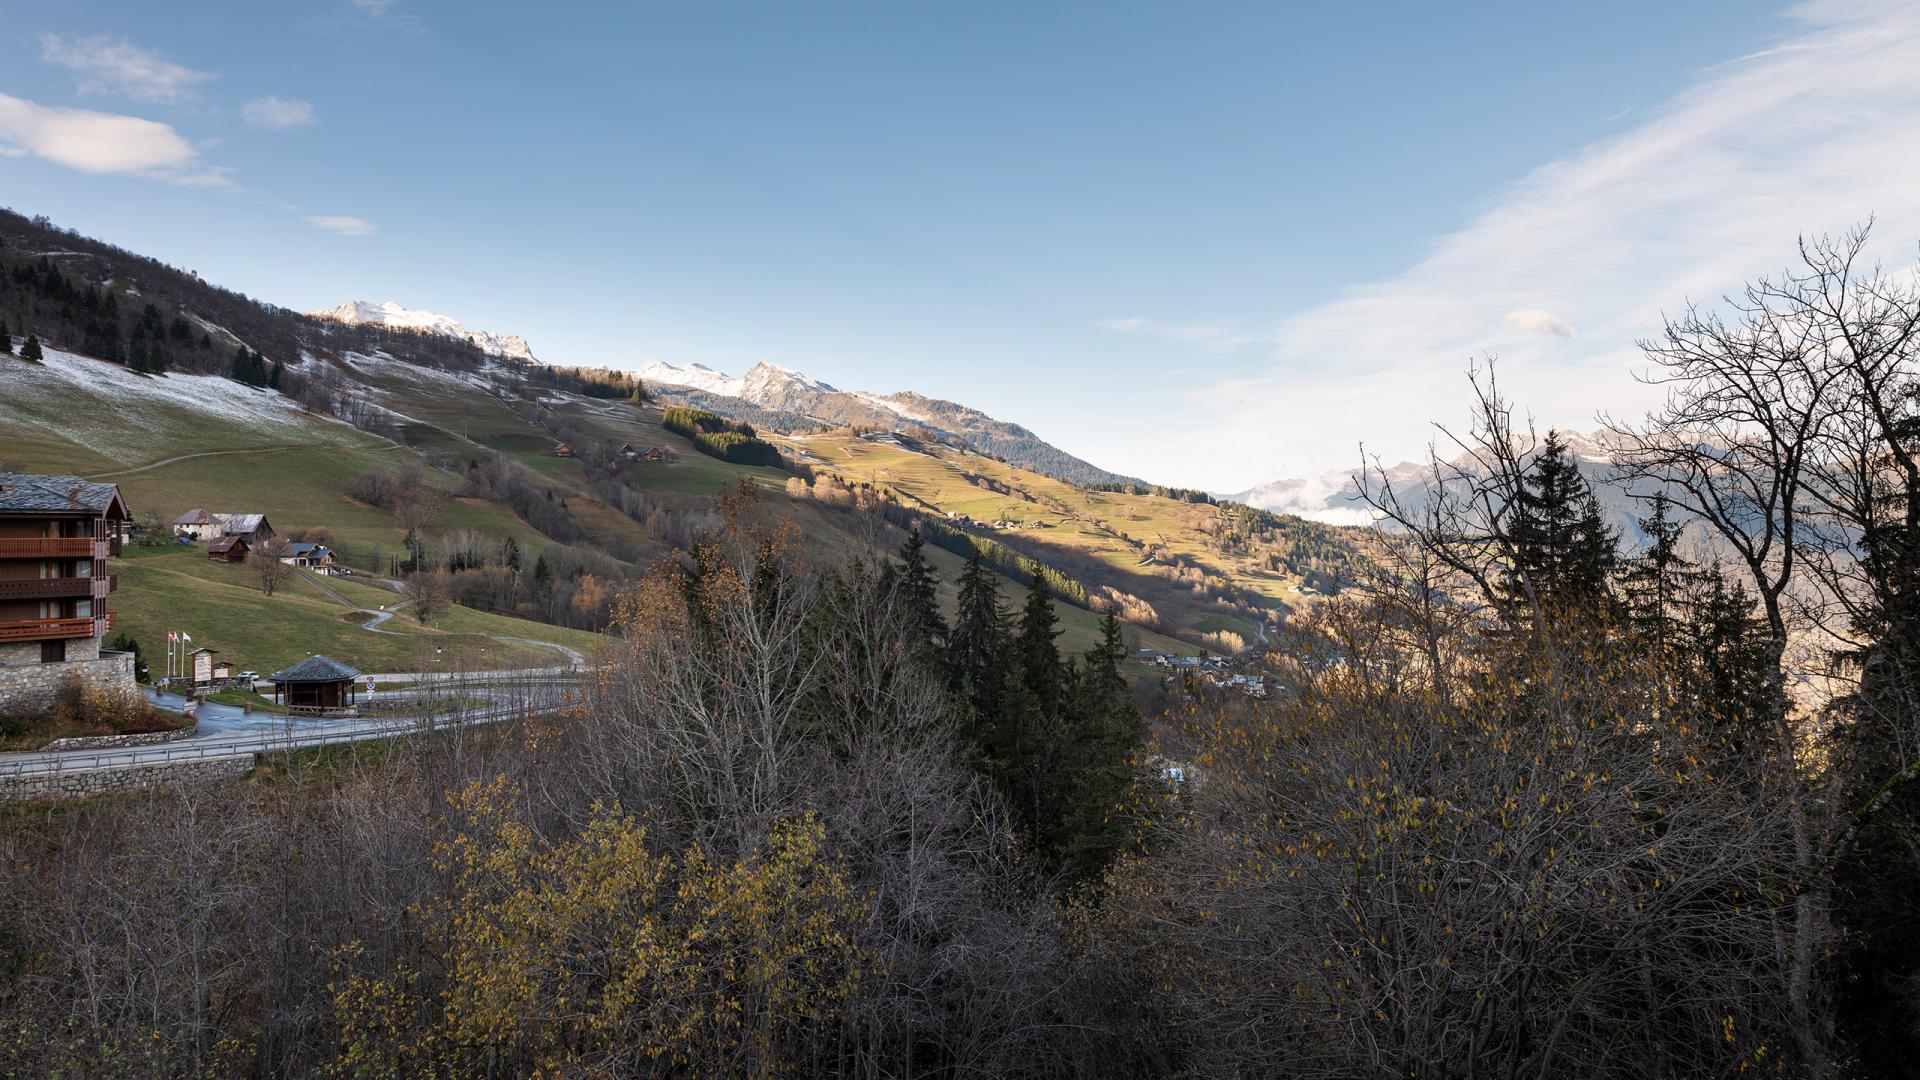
(184, 636)
(171, 636)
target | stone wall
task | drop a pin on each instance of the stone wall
(114, 742)
(121, 779)
(28, 689)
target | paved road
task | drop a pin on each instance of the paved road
(228, 731)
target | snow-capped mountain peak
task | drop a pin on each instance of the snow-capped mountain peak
(391, 314)
(692, 376)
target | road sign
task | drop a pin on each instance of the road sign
(369, 684)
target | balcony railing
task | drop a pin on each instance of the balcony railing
(51, 588)
(50, 629)
(50, 547)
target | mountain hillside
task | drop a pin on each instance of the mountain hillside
(408, 448)
(786, 400)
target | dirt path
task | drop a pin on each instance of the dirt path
(391, 445)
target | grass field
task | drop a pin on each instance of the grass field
(223, 609)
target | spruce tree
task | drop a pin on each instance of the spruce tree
(31, 350)
(6, 339)
(921, 597)
(1563, 552)
(1104, 735)
(1039, 653)
(1654, 581)
(978, 643)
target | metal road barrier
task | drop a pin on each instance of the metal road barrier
(58, 762)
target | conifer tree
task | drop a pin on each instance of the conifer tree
(1104, 735)
(31, 350)
(978, 643)
(6, 339)
(1654, 582)
(1563, 553)
(920, 595)
(1040, 667)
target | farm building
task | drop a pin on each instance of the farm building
(231, 549)
(211, 525)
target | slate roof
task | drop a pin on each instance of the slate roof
(26, 493)
(195, 516)
(315, 669)
(304, 548)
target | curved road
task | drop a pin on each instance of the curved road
(226, 731)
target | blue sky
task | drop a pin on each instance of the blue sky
(1204, 244)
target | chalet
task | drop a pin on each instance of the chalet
(229, 549)
(626, 452)
(315, 685)
(562, 450)
(211, 525)
(315, 557)
(198, 524)
(56, 533)
(652, 453)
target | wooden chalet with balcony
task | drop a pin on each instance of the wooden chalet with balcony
(56, 534)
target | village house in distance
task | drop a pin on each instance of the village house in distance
(210, 526)
(56, 533)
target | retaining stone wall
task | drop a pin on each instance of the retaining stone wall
(112, 742)
(122, 779)
(27, 689)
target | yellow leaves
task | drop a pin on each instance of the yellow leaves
(598, 942)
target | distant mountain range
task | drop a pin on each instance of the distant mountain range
(390, 314)
(782, 399)
(1334, 497)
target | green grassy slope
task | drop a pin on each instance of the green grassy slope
(222, 607)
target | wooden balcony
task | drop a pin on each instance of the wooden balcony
(47, 547)
(51, 629)
(55, 588)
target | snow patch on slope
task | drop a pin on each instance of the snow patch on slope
(111, 410)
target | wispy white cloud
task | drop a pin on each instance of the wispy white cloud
(389, 14)
(1210, 338)
(277, 114)
(108, 66)
(342, 224)
(1535, 321)
(1813, 135)
(97, 142)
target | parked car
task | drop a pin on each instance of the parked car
(248, 677)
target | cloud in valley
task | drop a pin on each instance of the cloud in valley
(276, 114)
(106, 66)
(341, 224)
(1704, 192)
